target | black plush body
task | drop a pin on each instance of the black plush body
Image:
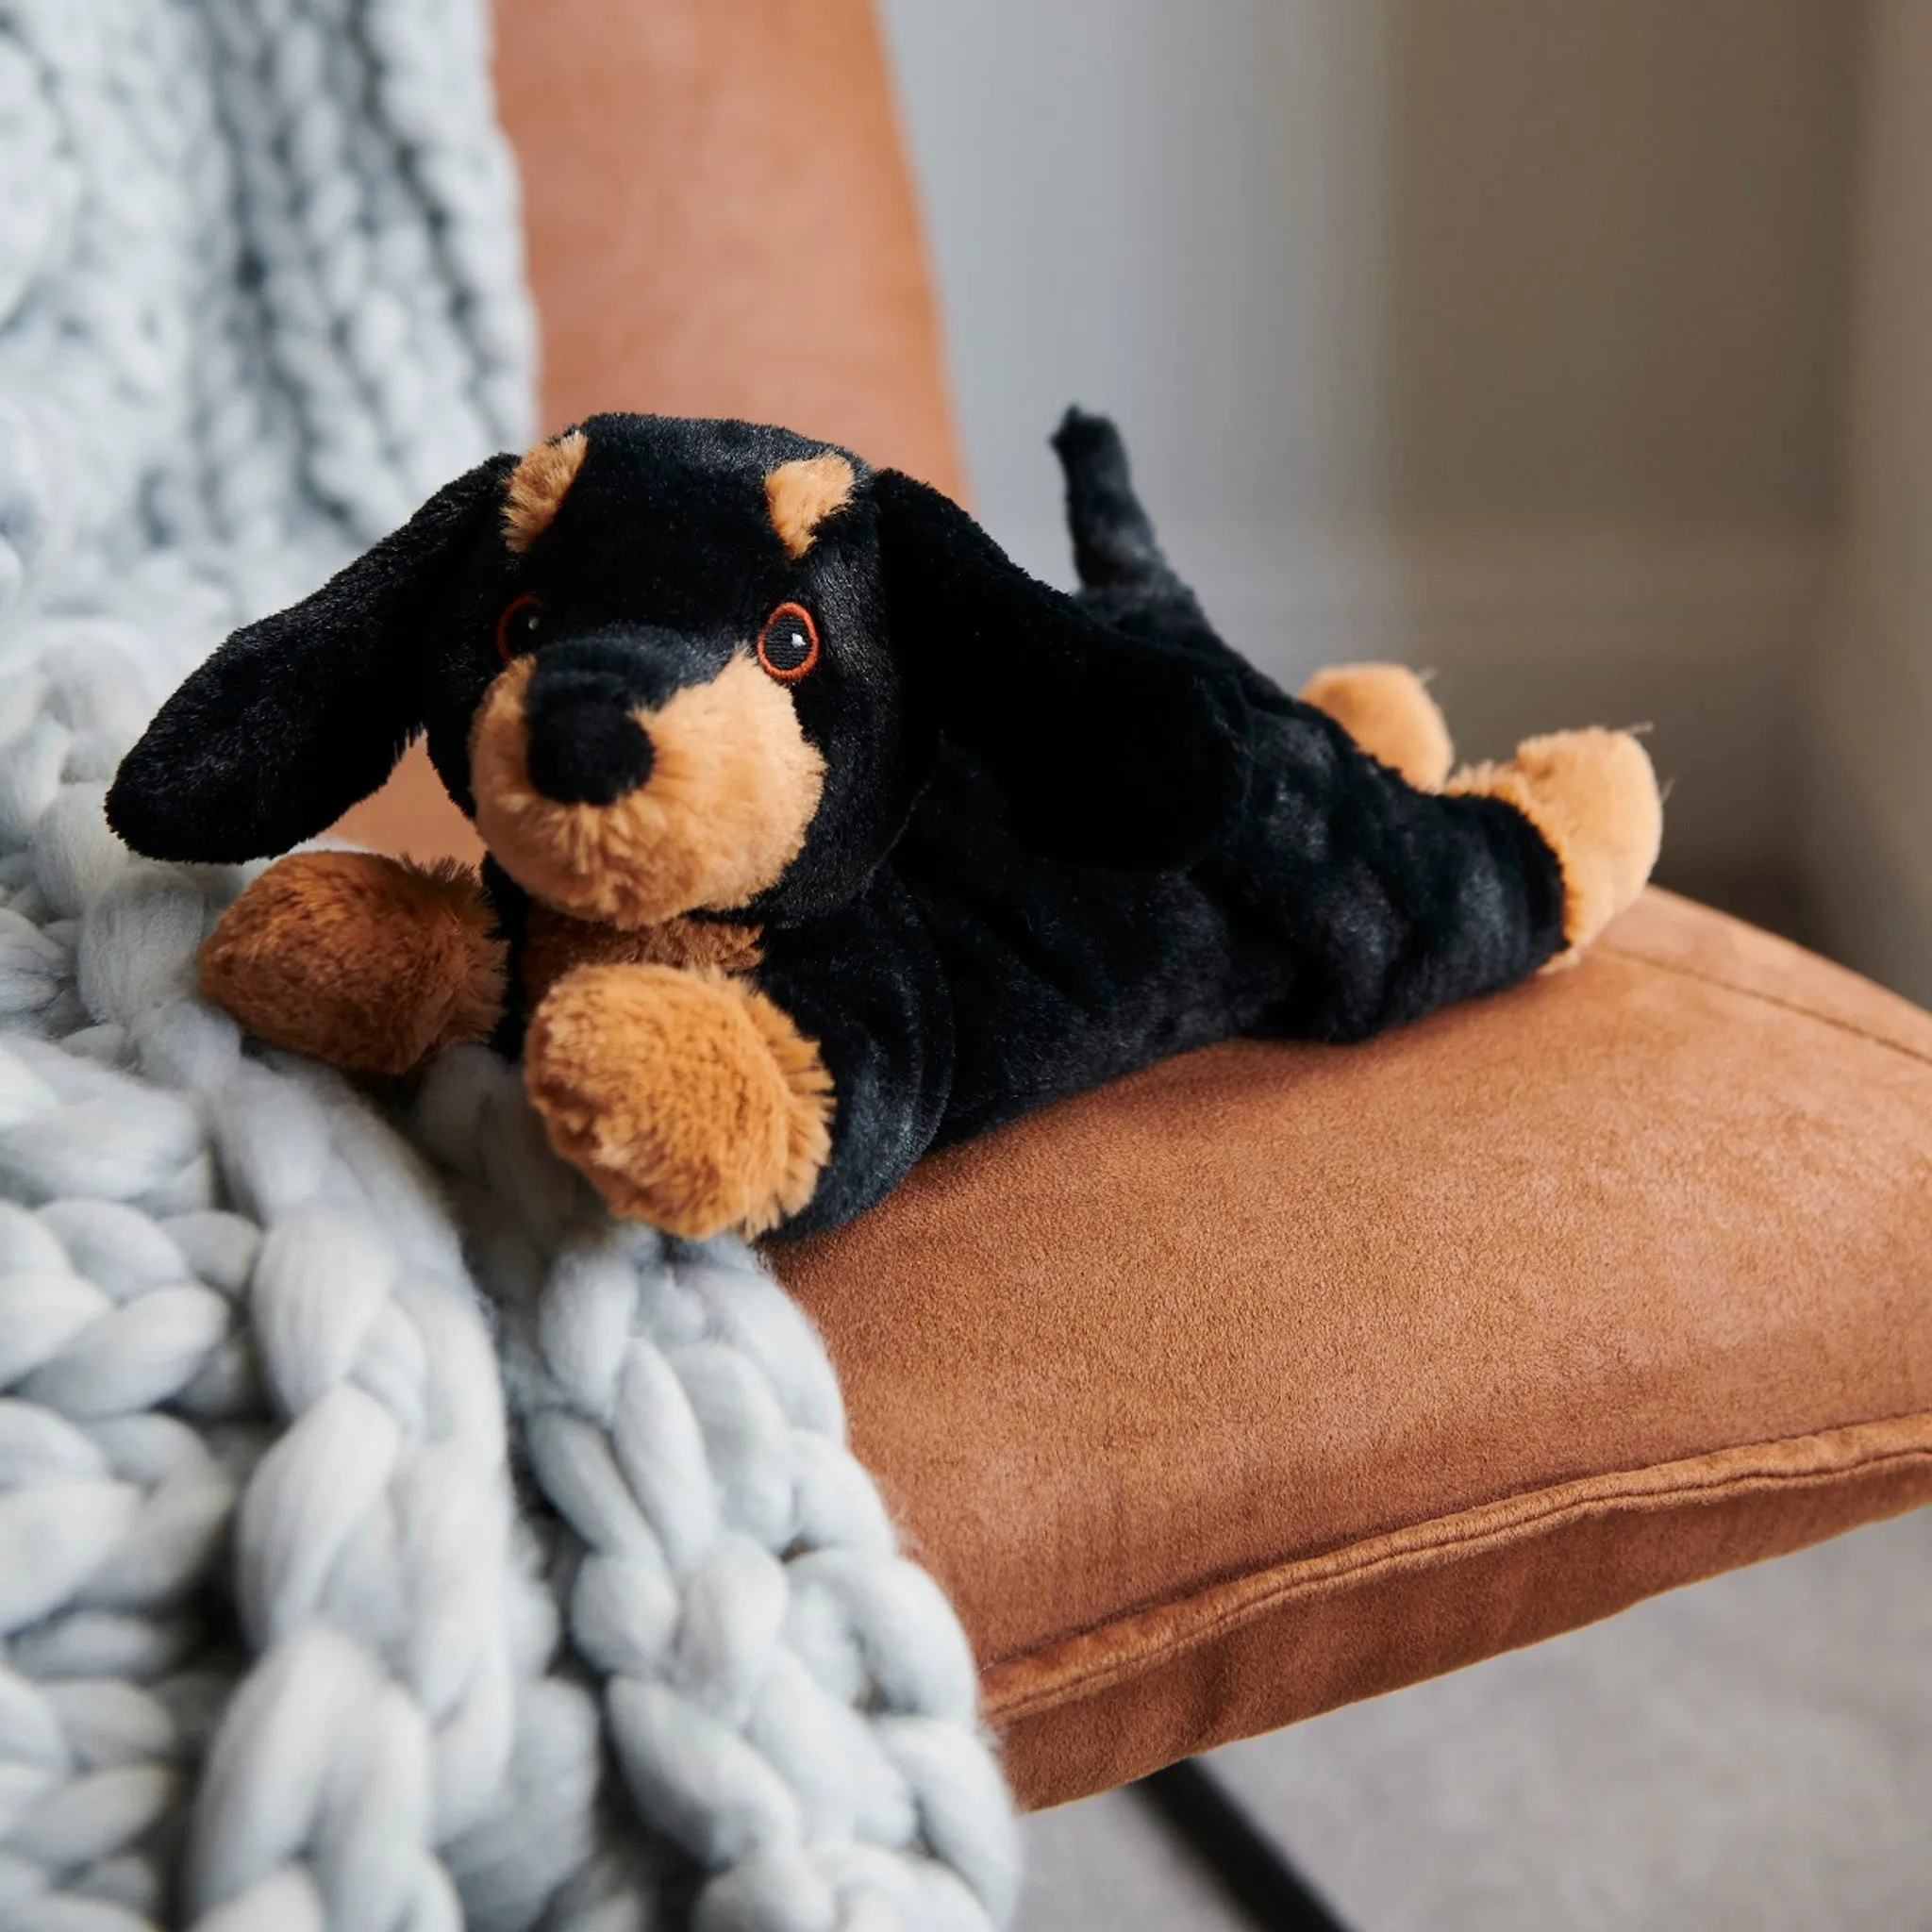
(1056, 838)
(975, 980)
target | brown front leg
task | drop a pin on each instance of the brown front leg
(359, 960)
(687, 1098)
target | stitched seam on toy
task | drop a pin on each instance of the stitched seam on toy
(1769, 999)
(1320, 1575)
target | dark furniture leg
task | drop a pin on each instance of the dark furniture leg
(1192, 1802)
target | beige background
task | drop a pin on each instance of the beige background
(1507, 337)
(1866, 830)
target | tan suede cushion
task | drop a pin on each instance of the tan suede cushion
(1279, 1375)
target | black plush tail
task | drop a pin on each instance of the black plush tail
(1122, 570)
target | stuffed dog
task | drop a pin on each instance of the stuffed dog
(819, 834)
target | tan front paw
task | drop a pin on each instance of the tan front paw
(1388, 710)
(689, 1100)
(1592, 794)
(359, 960)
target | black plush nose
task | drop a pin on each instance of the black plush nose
(585, 746)
(587, 751)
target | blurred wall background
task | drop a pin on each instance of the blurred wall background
(1507, 338)
(1866, 828)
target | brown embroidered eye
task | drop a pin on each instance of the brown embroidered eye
(789, 644)
(520, 627)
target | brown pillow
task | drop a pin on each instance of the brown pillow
(1279, 1375)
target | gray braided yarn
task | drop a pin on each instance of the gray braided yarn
(387, 1540)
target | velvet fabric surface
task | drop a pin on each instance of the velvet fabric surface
(999, 844)
(1278, 1375)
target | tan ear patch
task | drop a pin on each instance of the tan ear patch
(803, 494)
(537, 486)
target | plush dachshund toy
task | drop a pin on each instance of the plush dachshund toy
(819, 833)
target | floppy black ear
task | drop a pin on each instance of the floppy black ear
(296, 718)
(1114, 750)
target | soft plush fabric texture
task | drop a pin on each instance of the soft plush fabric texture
(385, 1539)
(998, 843)
(1278, 1375)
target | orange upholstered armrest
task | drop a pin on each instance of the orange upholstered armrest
(1279, 1375)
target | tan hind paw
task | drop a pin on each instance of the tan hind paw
(1388, 710)
(1592, 794)
(687, 1099)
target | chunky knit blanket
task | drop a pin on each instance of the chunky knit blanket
(388, 1539)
